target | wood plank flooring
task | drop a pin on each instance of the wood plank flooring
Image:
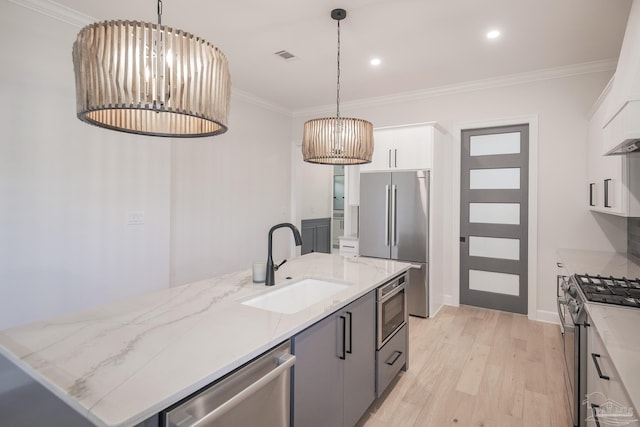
(471, 367)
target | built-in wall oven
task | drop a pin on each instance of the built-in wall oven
(392, 308)
(392, 343)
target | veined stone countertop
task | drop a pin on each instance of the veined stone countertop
(121, 363)
(617, 326)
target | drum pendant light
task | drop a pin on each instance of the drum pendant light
(150, 79)
(337, 140)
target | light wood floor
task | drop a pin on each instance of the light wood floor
(474, 367)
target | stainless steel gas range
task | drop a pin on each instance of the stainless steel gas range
(573, 292)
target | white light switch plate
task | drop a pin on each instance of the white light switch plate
(135, 218)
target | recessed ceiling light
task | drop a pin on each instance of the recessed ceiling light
(493, 34)
(376, 61)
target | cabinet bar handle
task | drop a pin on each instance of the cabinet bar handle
(344, 338)
(591, 194)
(389, 159)
(350, 332)
(595, 357)
(606, 193)
(594, 411)
(395, 157)
(394, 357)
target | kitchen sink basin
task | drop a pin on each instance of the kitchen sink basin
(296, 296)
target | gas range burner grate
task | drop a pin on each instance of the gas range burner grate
(610, 290)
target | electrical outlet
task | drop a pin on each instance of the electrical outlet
(135, 218)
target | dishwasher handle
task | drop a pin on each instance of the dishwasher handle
(286, 362)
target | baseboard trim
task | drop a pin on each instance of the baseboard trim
(448, 300)
(547, 317)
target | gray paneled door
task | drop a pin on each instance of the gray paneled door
(494, 196)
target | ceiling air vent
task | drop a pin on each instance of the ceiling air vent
(285, 55)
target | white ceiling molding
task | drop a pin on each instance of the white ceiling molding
(77, 19)
(57, 11)
(252, 99)
(510, 80)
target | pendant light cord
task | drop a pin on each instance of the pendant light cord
(159, 58)
(338, 85)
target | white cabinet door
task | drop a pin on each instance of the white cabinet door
(413, 148)
(382, 149)
(606, 396)
(614, 181)
(402, 148)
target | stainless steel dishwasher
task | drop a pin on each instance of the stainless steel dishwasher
(255, 394)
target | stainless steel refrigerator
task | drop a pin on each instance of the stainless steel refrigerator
(394, 224)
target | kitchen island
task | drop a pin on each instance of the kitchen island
(121, 363)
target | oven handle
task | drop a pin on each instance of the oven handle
(561, 301)
(391, 294)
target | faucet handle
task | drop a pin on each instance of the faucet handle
(275, 268)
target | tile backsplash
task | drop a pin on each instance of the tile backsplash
(633, 237)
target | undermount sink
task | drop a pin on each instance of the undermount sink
(296, 296)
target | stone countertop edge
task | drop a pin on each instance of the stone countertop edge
(115, 364)
(612, 323)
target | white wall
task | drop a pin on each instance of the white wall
(228, 193)
(562, 106)
(66, 188)
(313, 187)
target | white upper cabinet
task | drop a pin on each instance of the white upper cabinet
(622, 119)
(402, 148)
(614, 181)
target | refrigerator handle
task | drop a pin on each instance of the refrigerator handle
(394, 196)
(386, 215)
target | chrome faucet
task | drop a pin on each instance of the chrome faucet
(271, 268)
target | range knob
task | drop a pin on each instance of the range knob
(572, 290)
(573, 306)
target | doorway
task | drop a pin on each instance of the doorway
(494, 218)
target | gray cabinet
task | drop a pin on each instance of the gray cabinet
(316, 235)
(334, 375)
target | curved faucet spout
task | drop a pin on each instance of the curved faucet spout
(271, 268)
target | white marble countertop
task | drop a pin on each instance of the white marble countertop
(615, 325)
(121, 363)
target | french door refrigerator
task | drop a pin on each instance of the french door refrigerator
(394, 224)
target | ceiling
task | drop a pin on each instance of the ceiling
(423, 44)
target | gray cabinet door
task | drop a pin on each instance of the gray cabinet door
(360, 362)
(316, 235)
(318, 375)
(334, 374)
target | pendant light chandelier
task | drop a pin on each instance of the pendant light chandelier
(337, 140)
(150, 79)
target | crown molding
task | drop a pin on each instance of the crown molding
(508, 80)
(57, 11)
(77, 19)
(260, 102)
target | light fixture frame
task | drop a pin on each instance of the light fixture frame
(150, 79)
(337, 140)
